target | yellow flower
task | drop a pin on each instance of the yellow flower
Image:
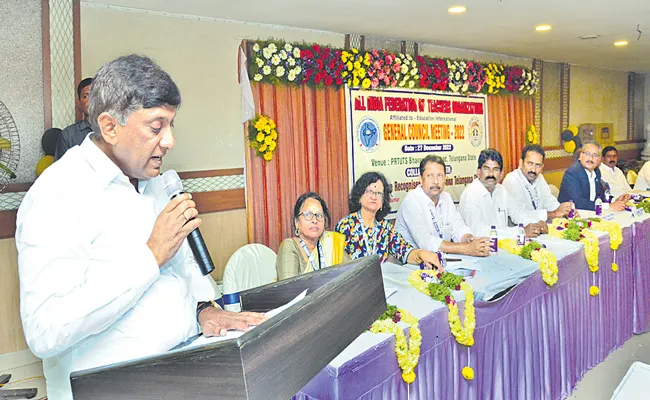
(361, 72)
(614, 267)
(274, 134)
(468, 373)
(268, 155)
(593, 290)
(272, 146)
(355, 51)
(344, 74)
(357, 64)
(365, 84)
(349, 65)
(355, 82)
(366, 59)
(262, 148)
(259, 137)
(408, 354)
(271, 124)
(268, 140)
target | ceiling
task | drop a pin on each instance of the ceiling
(498, 26)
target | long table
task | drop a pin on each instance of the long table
(535, 342)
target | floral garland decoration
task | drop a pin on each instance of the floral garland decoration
(278, 62)
(536, 252)
(407, 355)
(262, 136)
(582, 230)
(275, 63)
(532, 136)
(615, 232)
(422, 280)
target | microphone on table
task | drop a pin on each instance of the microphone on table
(174, 187)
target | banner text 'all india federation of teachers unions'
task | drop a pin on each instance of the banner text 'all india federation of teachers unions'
(391, 131)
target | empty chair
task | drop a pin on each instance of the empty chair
(250, 266)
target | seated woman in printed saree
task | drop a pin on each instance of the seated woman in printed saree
(312, 248)
(367, 232)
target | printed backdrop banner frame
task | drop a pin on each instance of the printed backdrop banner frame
(390, 131)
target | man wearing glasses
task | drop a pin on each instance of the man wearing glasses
(582, 182)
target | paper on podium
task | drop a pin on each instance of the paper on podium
(234, 334)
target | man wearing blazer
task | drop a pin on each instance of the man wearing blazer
(582, 182)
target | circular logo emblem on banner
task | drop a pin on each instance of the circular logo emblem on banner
(368, 134)
(475, 131)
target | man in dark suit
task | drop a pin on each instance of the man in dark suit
(582, 183)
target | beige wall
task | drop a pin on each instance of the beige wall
(201, 56)
(599, 95)
(441, 51)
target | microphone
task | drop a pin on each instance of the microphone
(174, 187)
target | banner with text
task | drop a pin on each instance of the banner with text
(391, 131)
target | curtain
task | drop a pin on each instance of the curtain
(508, 118)
(311, 156)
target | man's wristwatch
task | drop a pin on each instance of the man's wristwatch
(202, 306)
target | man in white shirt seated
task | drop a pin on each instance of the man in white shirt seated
(643, 179)
(106, 274)
(428, 219)
(611, 174)
(526, 186)
(485, 202)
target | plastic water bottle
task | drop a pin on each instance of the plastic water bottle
(599, 206)
(521, 235)
(608, 196)
(494, 240)
(572, 213)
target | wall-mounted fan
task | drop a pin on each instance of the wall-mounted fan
(9, 147)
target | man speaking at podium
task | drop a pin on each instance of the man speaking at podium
(106, 274)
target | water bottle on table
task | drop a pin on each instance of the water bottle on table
(598, 206)
(494, 240)
(521, 235)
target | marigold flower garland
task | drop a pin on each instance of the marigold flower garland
(262, 136)
(464, 334)
(407, 355)
(582, 230)
(535, 252)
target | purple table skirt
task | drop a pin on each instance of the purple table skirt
(534, 343)
(641, 276)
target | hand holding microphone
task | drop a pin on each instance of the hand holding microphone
(176, 222)
(172, 226)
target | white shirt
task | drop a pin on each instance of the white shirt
(481, 209)
(591, 176)
(416, 216)
(534, 197)
(643, 179)
(615, 178)
(91, 292)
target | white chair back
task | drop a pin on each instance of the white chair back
(554, 190)
(250, 266)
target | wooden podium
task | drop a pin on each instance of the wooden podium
(272, 361)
